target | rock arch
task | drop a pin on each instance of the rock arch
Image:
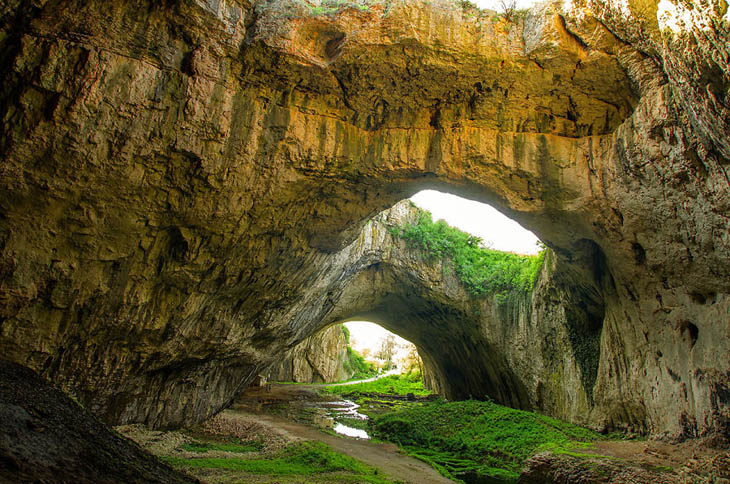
(195, 171)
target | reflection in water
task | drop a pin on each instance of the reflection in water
(341, 409)
(350, 432)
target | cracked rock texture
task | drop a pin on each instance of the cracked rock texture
(317, 359)
(183, 182)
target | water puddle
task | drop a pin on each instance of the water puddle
(338, 414)
(350, 431)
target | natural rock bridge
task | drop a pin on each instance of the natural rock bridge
(187, 185)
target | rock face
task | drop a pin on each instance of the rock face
(317, 359)
(548, 467)
(185, 184)
(46, 437)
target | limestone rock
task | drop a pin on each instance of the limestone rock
(317, 359)
(47, 437)
(549, 468)
(183, 182)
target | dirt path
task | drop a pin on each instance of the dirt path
(354, 382)
(383, 456)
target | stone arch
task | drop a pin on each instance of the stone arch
(199, 175)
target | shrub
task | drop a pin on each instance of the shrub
(481, 270)
(356, 365)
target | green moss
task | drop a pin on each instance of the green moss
(482, 271)
(205, 447)
(302, 458)
(331, 7)
(477, 438)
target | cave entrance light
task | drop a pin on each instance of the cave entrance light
(374, 342)
(496, 230)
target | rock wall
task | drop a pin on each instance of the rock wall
(317, 359)
(183, 182)
(47, 437)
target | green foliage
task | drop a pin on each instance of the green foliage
(302, 458)
(475, 437)
(356, 365)
(202, 447)
(482, 271)
(346, 332)
(392, 384)
(467, 5)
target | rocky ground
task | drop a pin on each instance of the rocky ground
(47, 437)
(251, 420)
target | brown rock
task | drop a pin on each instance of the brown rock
(183, 182)
(317, 359)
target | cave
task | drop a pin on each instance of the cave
(190, 189)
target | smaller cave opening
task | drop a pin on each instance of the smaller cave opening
(385, 350)
(347, 352)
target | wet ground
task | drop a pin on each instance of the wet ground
(302, 412)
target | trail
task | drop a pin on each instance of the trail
(354, 382)
(383, 456)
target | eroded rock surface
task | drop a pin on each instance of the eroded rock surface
(317, 359)
(47, 437)
(182, 182)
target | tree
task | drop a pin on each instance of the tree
(386, 351)
(412, 361)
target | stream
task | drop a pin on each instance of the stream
(332, 414)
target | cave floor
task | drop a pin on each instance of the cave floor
(272, 421)
(274, 418)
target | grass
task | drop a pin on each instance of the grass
(481, 270)
(201, 447)
(477, 438)
(302, 458)
(392, 384)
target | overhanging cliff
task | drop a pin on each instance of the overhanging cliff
(182, 181)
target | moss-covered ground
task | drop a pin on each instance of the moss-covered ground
(476, 438)
(397, 385)
(312, 461)
(467, 441)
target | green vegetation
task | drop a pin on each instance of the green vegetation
(354, 363)
(201, 447)
(482, 271)
(331, 7)
(302, 458)
(392, 384)
(480, 439)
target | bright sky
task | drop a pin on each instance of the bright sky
(368, 335)
(498, 231)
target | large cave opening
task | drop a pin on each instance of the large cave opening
(463, 303)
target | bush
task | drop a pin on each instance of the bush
(356, 365)
(482, 271)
